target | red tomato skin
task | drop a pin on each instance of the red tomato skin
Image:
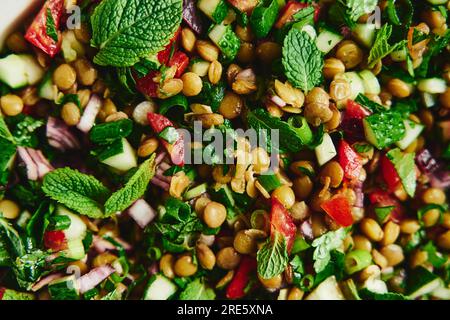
(244, 5)
(55, 240)
(176, 150)
(390, 175)
(146, 85)
(281, 221)
(164, 55)
(355, 110)
(37, 31)
(339, 209)
(181, 61)
(382, 198)
(2, 292)
(349, 160)
(235, 289)
(291, 8)
(352, 121)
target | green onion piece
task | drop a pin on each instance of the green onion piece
(357, 260)
(196, 191)
(259, 219)
(178, 101)
(307, 282)
(154, 253)
(302, 129)
(269, 181)
(299, 245)
(106, 133)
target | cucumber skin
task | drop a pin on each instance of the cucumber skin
(159, 280)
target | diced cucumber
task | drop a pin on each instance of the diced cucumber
(421, 282)
(200, 67)
(33, 71)
(441, 293)
(356, 84)
(159, 288)
(370, 82)
(71, 47)
(222, 193)
(327, 40)
(399, 55)
(124, 159)
(309, 29)
(216, 10)
(47, 89)
(327, 290)
(326, 150)
(196, 191)
(413, 130)
(75, 249)
(77, 228)
(428, 99)
(12, 71)
(365, 33)
(349, 290)
(227, 41)
(65, 288)
(383, 129)
(375, 285)
(432, 85)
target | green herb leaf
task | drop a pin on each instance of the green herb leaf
(434, 257)
(50, 26)
(357, 8)
(302, 60)
(77, 191)
(133, 189)
(263, 17)
(383, 212)
(404, 165)
(10, 242)
(170, 134)
(111, 131)
(324, 245)
(369, 295)
(335, 267)
(125, 31)
(381, 47)
(197, 290)
(273, 257)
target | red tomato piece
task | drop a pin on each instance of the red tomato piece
(390, 175)
(146, 85)
(176, 150)
(381, 198)
(181, 61)
(2, 292)
(352, 121)
(355, 110)
(55, 240)
(37, 32)
(244, 5)
(349, 160)
(236, 288)
(291, 8)
(281, 221)
(164, 55)
(338, 208)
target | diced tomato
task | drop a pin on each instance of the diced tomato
(164, 55)
(291, 8)
(37, 32)
(55, 240)
(176, 150)
(349, 160)
(390, 175)
(244, 5)
(2, 292)
(281, 221)
(146, 85)
(236, 288)
(338, 208)
(181, 61)
(382, 198)
(355, 110)
(352, 121)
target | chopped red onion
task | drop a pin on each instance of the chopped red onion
(426, 162)
(278, 101)
(45, 281)
(90, 113)
(306, 229)
(207, 239)
(101, 245)
(36, 164)
(440, 179)
(59, 135)
(32, 171)
(94, 277)
(142, 213)
(162, 184)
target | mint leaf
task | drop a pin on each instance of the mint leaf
(381, 47)
(125, 31)
(197, 290)
(370, 295)
(383, 212)
(324, 245)
(302, 60)
(50, 26)
(272, 258)
(77, 191)
(404, 165)
(263, 17)
(133, 189)
(357, 8)
(11, 245)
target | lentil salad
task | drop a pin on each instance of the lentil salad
(99, 202)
